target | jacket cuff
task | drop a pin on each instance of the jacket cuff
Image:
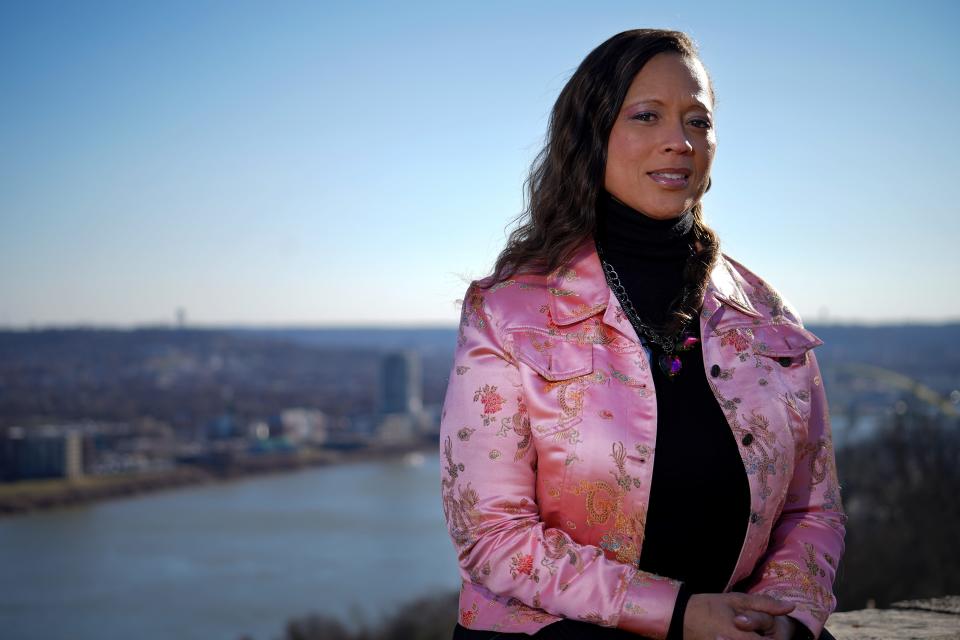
(808, 625)
(649, 605)
(679, 609)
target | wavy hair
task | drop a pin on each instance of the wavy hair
(567, 176)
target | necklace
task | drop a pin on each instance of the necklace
(671, 345)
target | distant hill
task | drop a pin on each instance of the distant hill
(927, 353)
(186, 376)
(422, 339)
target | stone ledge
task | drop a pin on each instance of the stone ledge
(930, 619)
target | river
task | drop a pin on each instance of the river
(231, 559)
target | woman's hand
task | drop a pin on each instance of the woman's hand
(777, 627)
(713, 616)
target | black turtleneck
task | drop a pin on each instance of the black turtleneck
(648, 254)
(699, 497)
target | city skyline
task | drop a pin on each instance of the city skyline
(313, 165)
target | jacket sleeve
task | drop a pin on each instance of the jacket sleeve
(490, 504)
(806, 543)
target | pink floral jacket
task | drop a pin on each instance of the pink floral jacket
(547, 442)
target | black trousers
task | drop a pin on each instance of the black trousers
(563, 630)
(560, 630)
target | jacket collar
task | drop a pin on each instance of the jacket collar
(579, 290)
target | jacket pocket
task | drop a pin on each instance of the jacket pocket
(554, 383)
(786, 344)
(555, 374)
(552, 357)
(785, 349)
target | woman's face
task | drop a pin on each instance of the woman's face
(662, 143)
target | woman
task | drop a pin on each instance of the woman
(614, 334)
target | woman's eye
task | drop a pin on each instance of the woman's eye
(644, 116)
(701, 123)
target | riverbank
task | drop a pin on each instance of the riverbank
(33, 495)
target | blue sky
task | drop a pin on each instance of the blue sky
(357, 163)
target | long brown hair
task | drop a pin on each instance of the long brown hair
(568, 174)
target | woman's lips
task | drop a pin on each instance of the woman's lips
(667, 178)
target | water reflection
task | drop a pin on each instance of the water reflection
(219, 561)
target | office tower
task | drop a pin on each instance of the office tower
(401, 383)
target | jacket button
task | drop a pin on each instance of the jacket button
(754, 517)
(715, 370)
(747, 439)
(785, 361)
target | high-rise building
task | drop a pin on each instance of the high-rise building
(401, 383)
(43, 452)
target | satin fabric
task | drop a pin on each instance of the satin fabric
(547, 442)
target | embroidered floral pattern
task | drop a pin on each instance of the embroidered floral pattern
(479, 575)
(519, 424)
(521, 564)
(515, 507)
(519, 613)
(600, 500)
(624, 480)
(591, 332)
(491, 400)
(564, 273)
(460, 508)
(763, 295)
(472, 313)
(619, 315)
(620, 376)
(467, 616)
(734, 338)
(603, 500)
(576, 312)
(594, 617)
(569, 396)
(820, 458)
(558, 546)
(761, 457)
(802, 582)
(543, 346)
(645, 579)
(476, 313)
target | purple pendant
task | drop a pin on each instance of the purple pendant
(670, 365)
